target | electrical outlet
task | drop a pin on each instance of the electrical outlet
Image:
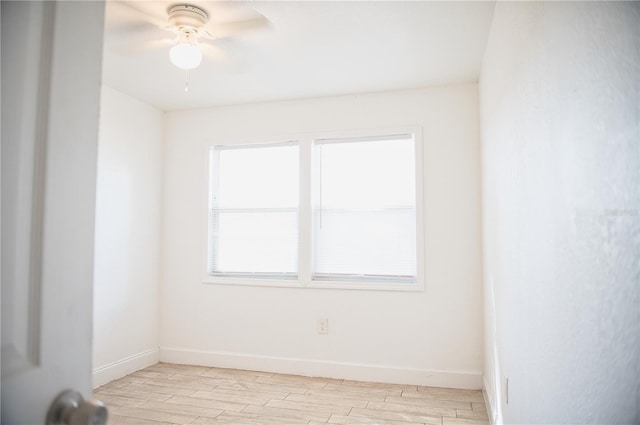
(323, 326)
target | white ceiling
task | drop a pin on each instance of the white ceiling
(312, 49)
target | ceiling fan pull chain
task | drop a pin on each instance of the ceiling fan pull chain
(186, 81)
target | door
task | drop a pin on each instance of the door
(51, 68)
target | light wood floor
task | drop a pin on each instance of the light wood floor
(178, 394)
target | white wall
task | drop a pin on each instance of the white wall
(560, 96)
(127, 243)
(432, 337)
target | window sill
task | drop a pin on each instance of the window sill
(299, 284)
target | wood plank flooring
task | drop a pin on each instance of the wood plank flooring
(168, 394)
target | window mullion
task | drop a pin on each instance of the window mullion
(304, 214)
(214, 221)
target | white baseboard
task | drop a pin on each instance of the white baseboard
(323, 368)
(123, 367)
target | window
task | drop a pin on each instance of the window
(323, 211)
(364, 215)
(253, 205)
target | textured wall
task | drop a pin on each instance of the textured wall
(560, 106)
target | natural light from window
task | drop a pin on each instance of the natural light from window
(341, 212)
(365, 209)
(254, 211)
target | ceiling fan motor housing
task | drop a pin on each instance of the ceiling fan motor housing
(187, 16)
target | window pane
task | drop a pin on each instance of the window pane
(364, 210)
(257, 242)
(254, 210)
(366, 242)
(367, 175)
(258, 177)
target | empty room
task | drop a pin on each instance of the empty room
(320, 212)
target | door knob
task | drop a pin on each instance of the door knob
(70, 408)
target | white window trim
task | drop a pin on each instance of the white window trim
(304, 280)
(213, 183)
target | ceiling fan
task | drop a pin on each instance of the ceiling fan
(190, 25)
(187, 21)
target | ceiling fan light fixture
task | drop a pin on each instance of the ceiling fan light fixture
(186, 55)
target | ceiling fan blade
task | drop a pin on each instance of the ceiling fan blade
(132, 7)
(213, 52)
(231, 29)
(135, 34)
(220, 57)
(144, 46)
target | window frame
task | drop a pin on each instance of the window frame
(304, 279)
(213, 158)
